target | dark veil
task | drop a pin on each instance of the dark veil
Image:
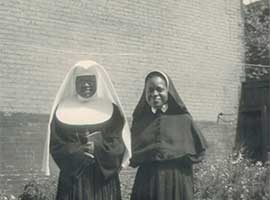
(174, 98)
(183, 138)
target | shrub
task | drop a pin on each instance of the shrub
(213, 180)
(232, 180)
(39, 189)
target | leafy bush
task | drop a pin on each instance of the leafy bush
(232, 180)
(40, 189)
(225, 179)
(257, 40)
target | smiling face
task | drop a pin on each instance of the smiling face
(156, 91)
(86, 85)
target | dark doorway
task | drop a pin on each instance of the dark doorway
(253, 132)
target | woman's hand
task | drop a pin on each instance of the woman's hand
(88, 149)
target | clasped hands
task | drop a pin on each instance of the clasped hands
(89, 147)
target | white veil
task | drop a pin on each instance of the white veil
(105, 90)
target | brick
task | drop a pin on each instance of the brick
(201, 51)
(198, 43)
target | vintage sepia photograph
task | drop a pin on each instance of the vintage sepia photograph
(135, 100)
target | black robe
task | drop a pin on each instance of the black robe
(164, 147)
(82, 177)
(164, 137)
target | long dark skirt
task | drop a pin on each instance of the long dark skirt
(91, 185)
(163, 181)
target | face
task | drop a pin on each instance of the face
(86, 86)
(156, 92)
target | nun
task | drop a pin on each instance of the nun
(165, 143)
(88, 135)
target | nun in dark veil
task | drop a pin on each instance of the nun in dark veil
(165, 143)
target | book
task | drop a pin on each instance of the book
(90, 142)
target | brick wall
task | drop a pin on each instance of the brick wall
(22, 143)
(23, 136)
(198, 43)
